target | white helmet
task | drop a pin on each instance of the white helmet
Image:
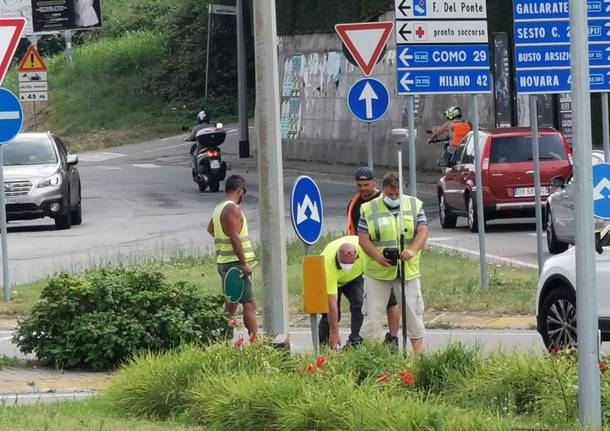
(203, 117)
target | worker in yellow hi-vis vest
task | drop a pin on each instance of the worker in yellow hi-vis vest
(229, 228)
(379, 235)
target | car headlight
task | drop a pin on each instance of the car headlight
(54, 180)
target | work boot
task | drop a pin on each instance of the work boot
(391, 341)
(353, 342)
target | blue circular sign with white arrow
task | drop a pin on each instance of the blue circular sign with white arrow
(11, 116)
(368, 100)
(307, 210)
(601, 191)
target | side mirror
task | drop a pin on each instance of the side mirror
(557, 182)
(598, 243)
(72, 160)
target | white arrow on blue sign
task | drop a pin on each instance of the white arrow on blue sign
(11, 116)
(368, 100)
(601, 191)
(307, 210)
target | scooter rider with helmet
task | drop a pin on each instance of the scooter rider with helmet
(455, 126)
(203, 122)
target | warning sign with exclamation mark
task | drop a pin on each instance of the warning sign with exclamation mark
(33, 84)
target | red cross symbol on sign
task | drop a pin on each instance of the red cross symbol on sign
(420, 32)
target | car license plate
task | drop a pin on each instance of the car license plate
(214, 164)
(527, 192)
(11, 201)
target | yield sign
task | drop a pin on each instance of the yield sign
(365, 41)
(10, 33)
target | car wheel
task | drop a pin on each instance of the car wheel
(448, 220)
(63, 221)
(473, 217)
(214, 185)
(76, 215)
(558, 318)
(553, 244)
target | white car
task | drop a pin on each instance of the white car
(556, 296)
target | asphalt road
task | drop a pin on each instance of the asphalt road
(140, 203)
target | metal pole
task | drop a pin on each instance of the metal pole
(605, 127)
(207, 51)
(242, 83)
(479, 193)
(34, 115)
(313, 319)
(270, 170)
(537, 185)
(6, 286)
(412, 155)
(586, 296)
(402, 245)
(69, 50)
(369, 147)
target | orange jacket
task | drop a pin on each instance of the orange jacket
(351, 228)
(458, 131)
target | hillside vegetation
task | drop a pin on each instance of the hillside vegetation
(140, 77)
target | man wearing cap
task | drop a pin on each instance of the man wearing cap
(366, 184)
(344, 266)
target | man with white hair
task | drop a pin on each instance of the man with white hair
(344, 263)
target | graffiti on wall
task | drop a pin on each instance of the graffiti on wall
(306, 76)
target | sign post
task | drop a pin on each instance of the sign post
(368, 99)
(443, 48)
(11, 122)
(307, 212)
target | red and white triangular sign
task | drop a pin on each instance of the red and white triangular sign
(365, 41)
(10, 33)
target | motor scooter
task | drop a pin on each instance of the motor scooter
(208, 168)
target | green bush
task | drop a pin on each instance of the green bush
(99, 319)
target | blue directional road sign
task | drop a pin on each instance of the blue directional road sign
(368, 100)
(601, 191)
(307, 210)
(538, 10)
(11, 116)
(430, 56)
(555, 56)
(558, 31)
(435, 81)
(558, 80)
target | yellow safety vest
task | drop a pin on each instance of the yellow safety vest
(384, 232)
(224, 249)
(335, 277)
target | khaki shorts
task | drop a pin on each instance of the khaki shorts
(376, 295)
(248, 295)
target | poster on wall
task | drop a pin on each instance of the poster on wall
(59, 15)
(18, 9)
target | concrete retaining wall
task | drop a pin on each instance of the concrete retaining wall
(315, 78)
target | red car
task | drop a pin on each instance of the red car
(508, 175)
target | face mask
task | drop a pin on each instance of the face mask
(393, 203)
(346, 267)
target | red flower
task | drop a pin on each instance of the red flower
(311, 368)
(384, 378)
(252, 339)
(320, 361)
(603, 366)
(553, 350)
(239, 342)
(406, 377)
(233, 323)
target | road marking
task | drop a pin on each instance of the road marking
(154, 150)
(6, 338)
(444, 238)
(492, 258)
(108, 168)
(99, 157)
(533, 234)
(146, 166)
(10, 115)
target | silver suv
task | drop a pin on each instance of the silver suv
(41, 180)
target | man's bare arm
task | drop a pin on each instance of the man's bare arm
(211, 228)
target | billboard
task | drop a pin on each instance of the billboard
(51, 16)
